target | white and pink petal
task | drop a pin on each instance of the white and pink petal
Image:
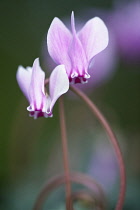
(24, 79)
(94, 37)
(58, 85)
(36, 89)
(58, 41)
(76, 53)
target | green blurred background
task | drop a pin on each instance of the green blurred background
(30, 150)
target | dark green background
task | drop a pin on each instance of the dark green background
(25, 144)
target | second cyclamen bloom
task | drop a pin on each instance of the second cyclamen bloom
(76, 49)
(32, 83)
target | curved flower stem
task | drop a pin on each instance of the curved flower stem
(65, 154)
(95, 191)
(46, 81)
(113, 140)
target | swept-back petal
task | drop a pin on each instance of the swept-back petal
(59, 84)
(36, 89)
(24, 78)
(94, 37)
(58, 41)
(76, 53)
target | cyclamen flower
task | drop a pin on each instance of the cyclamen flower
(125, 21)
(32, 83)
(103, 68)
(76, 50)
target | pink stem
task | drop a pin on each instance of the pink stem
(114, 142)
(65, 154)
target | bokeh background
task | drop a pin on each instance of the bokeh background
(30, 150)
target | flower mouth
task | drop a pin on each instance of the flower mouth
(38, 113)
(81, 79)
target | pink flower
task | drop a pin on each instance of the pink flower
(76, 50)
(32, 83)
(125, 21)
(103, 68)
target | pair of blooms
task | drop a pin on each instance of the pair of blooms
(73, 52)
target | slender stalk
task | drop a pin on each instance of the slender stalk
(94, 188)
(65, 154)
(113, 140)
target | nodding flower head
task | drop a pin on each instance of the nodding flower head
(76, 49)
(32, 83)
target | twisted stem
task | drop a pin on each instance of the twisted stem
(65, 154)
(95, 194)
(113, 140)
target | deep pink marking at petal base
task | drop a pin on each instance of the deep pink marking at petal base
(37, 114)
(76, 80)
